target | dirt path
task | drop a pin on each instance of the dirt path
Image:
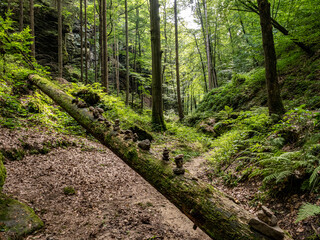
(111, 200)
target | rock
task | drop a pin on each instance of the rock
(142, 134)
(273, 232)
(3, 172)
(18, 219)
(270, 220)
(145, 145)
(100, 110)
(135, 137)
(267, 211)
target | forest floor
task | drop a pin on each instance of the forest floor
(111, 201)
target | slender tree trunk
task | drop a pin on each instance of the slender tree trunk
(274, 99)
(118, 70)
(81, 41)
(104, 46)
(95, 39)
(33, 45)
(166, 42)
(127, 53)
(85, 42)
(180, 110)
(21, 15)
(60, 56)
(210, 80)
(9, 6)
(202, 64)
(157, 102)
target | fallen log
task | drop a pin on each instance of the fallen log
(207, 207)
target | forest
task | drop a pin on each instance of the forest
(160, 119)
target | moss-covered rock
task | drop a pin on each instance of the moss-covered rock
(17, 219)
(2, 172)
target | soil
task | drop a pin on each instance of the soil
(110, 201)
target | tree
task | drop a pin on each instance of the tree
(33, 45)
(180, 110)
(104, 50)
(85, 42)
(81, 42)
(157, 102)
(60, 58)
(274, 99)
(21, 15)
(127, 53)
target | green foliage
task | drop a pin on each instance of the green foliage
(307, 210)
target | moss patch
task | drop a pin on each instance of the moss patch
(2, 172)
(17, 219)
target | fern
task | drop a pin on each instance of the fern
(307, 210)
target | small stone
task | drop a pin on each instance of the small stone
(100, 110)
(107, 123)
(101, 119)
(135, 137)
(267, 211)
(91, 109)
(273, 232)
(300, 230)
(81, 104)
(96, 113)
(145, 144)
(75, 101)
(179, 171)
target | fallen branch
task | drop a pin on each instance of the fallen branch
(208, 208)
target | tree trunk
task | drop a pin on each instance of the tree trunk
(207, 207)
(210, 77)
(21, 15)
(94, 43)
(274, 99)
(127, 54)
(33, 45)
(81, 42)
(202, 64)
(85, 42)
(180, 110)
(157, 102)
(104, 62)
(60, 58)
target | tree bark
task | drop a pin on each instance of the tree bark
(85, 42)
(60, 57)
(104, 61)
(33, 45)
(157, 102)
(180, 110)
(21, 15)
(274, 99)
(127, 54)
(95, 40)
(207, 207)
(81, 42)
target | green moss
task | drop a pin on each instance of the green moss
(2, 172)
(17, 219)
(69, 190)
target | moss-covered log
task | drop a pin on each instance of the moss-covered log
(208, 208)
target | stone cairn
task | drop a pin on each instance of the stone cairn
(128, 135)
(179, 170)
(266, 223)
(135, 137)
(116, 128)
(165, 155)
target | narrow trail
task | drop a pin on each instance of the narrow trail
(111, 200)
